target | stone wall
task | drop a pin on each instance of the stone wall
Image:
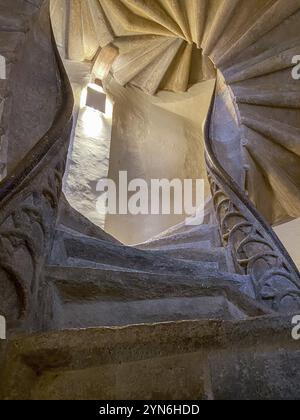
(155, 138)
(34, 90)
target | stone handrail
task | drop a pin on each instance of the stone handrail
(29, 199)
(255, 248)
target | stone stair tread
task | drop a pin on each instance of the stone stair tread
(193, 247)
(286, 97)
(200, 245)
(183, 229)
(262, 64)
(109, 278)
(106, 297)
(83, 250)
(151, 77)
(267, 21)
(78, 262)
(142, 278)
(216, 257)
(208, 234)
(70, 220)
(131, 64)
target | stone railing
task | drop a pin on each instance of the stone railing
(255, 249)
(28, 210)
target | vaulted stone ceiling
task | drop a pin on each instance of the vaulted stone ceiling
(170, 44)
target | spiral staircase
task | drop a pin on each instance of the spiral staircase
(170, 45)
(60, 275)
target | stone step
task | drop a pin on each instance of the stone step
(173, 246)
(195, 252)
(85, 251)
(181, 236)
(124, 22)
(208, 267)
(253, 359)
(157, 13)
(71, 220)
(255, 95)
(196, 13)
(273, 168)
(218, 27)
(273, 16)
(203, 228)
(283, 134)
(178, 75)
(150, 78)
(85, 297)
(175, 10)
(130, 64)
(270, 61)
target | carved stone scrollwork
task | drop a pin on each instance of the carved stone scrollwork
(29, 200)
(27, 223)
(255, 251)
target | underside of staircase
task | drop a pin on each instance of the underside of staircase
(99, 283)
(198, 312)
(172, 44)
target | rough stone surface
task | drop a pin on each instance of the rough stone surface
(34, 90)
(194, 360)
